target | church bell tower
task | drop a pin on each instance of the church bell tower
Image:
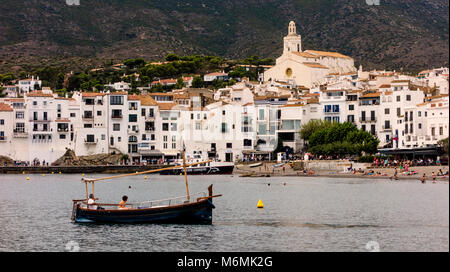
(293, 41)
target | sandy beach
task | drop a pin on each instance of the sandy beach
(385, 172)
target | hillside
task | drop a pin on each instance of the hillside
(405, 34)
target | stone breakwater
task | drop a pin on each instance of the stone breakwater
(104, 169)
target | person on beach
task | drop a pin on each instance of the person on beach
(423, 179)
(433, 175)
(395, 174)
(123, 203)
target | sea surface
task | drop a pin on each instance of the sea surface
(300, 214)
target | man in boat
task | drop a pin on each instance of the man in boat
(91, 202)
(123, 203)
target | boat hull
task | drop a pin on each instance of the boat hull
(206, 170)
(199, 212)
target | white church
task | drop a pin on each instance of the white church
(306, 68)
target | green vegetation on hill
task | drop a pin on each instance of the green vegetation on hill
(408, 34)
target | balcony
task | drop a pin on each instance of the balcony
(133, 131)
(367, 120)
(91, 141)
(87, 117)
(3, 139)
(20, 133)
(44, 120)
(117, 116)
(63, 129)
(386, 128)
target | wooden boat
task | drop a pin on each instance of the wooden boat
(189, 209)
(255, 165)
(214, 168)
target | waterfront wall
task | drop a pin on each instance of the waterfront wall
(107, 169)
(335, 166)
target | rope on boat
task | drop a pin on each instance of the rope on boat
(144, 172)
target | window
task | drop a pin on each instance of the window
(132, 118)
(87, 125)
(335, 108)
(441, 131)
(116, 100)
(420, 126)
(90, 138)
(116, 127)
(351, 107)
(387, 124)
(223, 112)
(20, 115)
(165, 126)
(62, 136)
(198, 126)
(116, 114)
(192, 116)
(2, 121)
(261, 114)
(247, 142)
(173, 126)
(99, 113)
(408, 97)
(133, 106)
(419, 113)
(72, 114)
(386, 111)
(399, 111)
(327, 108)
(229, 145)
(143, 112)
(224, 127)
(398, 98)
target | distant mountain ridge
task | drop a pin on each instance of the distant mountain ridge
(404, 34)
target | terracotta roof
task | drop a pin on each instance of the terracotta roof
(304, 54)
(161, 94)
(133, 97)
(39, 94)
(167, 106)
(85, 94)
(370, 95)
(312, 95)
(388, 93)
(5, 107)
(315, 65)
(118, 93)
(181, 96)
(385, 86)
(327, 54)
(147, 100)
(313, 101)
(217, 74)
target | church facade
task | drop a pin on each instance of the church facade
(306, 68)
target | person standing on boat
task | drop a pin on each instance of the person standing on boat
(123, 203)
(91, 202)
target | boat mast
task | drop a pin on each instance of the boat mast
(185, 172)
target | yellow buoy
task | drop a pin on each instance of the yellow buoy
(82, 174)
(53, 173)
(23, 173)
(28, 178)
(60, 173)
(145, 177)
(260, 204)
(43, 175)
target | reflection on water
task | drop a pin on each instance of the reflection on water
(306, 214)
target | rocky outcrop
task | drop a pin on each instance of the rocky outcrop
(70, 159)
(6, 161)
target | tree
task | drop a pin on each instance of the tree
(197, 82)
(312, 126)
(444, 144)
(339, 139)
(180, 83)
(172, 57)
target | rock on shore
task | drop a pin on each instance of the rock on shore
(70, 159)
(6, 161)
